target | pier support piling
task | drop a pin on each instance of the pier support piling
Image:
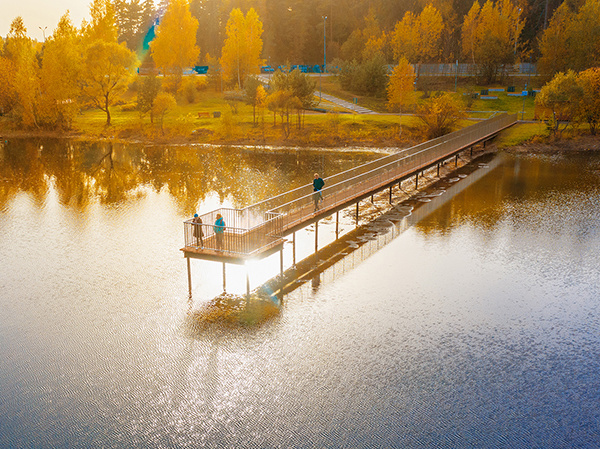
(337, 224)
(356, 222)
(189, 269)
(417, 180)
(281, 262)
(247, 285)
(438, 170)
(294, 248)
(456, 161)
(316, 236)
(224, 279)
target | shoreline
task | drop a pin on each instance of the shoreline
(581, 142)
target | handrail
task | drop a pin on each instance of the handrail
(397, 157)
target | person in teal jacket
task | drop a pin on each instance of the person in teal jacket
(219, 229)
(318, 184)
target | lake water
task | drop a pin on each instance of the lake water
(477, 325)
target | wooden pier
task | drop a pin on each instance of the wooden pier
(259, 230)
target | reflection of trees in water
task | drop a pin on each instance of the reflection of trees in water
(21, 169)
(111, 172)
(504, 191)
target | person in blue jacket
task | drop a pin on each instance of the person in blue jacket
(219, 229)
(318, 184)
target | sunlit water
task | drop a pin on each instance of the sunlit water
(478, 326)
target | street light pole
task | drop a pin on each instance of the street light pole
(43, 32)
(324, 46)
(516, 30)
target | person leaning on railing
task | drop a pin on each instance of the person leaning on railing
(219, 229)
(198, 233)
(318, 184)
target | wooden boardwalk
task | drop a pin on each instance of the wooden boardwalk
(258, 230)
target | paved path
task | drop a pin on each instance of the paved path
(345, 104)
(337, 101)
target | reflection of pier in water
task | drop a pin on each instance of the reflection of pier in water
(348, 251)
(257, 231)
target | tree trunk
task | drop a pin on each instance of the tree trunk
(107, 110)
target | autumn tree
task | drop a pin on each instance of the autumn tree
(293, 91)
(8, 94)
(439, 115)
(102, 25)
(134, 20)
(261, 102)
(363, 43)
(25, 80)
(490, 36)
(163, 103)
(589, 105)
(60, 75)
(555, 51)
(417, 38)
(561, 96)
(400, 89)
(174, 47)
(147, 93)
(107, 66)
(241, 51)
(572, 40)
(368, 77)
(252, 94)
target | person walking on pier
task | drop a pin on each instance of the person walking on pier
(318, 184)
(198, 233)
(219, 229)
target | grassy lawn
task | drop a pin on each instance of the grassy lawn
(235, 124)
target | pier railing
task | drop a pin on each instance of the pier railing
(453, 142)
(242, 233)
(261, 225)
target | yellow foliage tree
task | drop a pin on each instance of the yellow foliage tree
(400, 90)
(561, 96)
(163, 103)
(108, 68)
(554, 51)
(60, 75)
(572, 39)
(103, 22)
(490, 36)
(241, 52)
(174, 47)
(417, 38)
(362, 44)
(589, 106)
(25, 81)
(585, 37)
(439, 115)
(8, 95)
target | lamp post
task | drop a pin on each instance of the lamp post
(516, 31)
(324, 46)
(43, 32)
(324, 60)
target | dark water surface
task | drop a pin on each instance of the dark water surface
(479, 326)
